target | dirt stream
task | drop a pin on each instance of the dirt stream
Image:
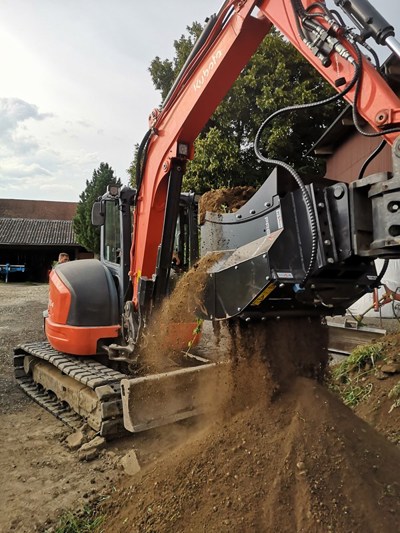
(279, 453)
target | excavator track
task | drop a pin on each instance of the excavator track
(75, 390)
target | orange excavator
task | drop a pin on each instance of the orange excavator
(296, 249)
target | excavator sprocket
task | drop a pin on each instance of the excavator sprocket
(75, 390)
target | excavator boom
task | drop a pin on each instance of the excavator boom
(227, 44)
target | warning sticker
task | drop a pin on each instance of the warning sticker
(266, 292)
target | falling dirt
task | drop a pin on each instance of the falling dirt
(175, 323)
(281, 454)
(224, 200)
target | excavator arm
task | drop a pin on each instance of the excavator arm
(225, 47)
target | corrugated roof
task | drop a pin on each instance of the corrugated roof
(25, 231)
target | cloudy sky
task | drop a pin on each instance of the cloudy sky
(75, 88)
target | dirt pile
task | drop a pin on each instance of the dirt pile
(301, 463)
(224, 200)
(283, 454)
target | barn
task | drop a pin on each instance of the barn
(32, 234)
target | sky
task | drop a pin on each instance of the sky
(75, 89)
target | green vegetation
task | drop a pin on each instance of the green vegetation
(86, 233)
(277, 76)
(83, 521)
(349, 376)
(361, 358)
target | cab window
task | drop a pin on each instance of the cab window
(112, 240)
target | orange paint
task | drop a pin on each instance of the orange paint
(77, 340)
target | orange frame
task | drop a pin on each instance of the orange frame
(211, 73)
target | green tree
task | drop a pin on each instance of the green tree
(164, 72)
(88, 235)
(277, 76)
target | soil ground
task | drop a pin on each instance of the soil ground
(293, 459)
(40, 477)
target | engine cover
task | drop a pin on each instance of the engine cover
(83, 307)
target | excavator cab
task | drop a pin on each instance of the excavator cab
(113, 214)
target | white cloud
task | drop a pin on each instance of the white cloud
(14, 112)
(76, 89)
(39, 158)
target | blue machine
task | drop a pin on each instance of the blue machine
(7, 268)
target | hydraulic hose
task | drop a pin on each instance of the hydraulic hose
(370, 158)
(306, 196)
(141, 160)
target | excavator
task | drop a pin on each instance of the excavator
(298, 250)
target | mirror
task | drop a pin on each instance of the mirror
(98, 214)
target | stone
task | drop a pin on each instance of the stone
(130, 463)
(391, 368)
(88, 455)
(96, 443)
(75, 440)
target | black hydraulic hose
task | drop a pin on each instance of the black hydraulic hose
(378, 280)
(338, 17)
(372, 156)
(298, 10)
(141, 160)
(374, 55)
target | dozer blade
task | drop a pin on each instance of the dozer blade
(80, 390)
(160, 399)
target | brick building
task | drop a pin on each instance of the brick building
(33, 233)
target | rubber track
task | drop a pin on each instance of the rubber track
(103, 380)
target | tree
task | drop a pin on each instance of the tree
(277, 76)
(88, 235)
(164, 72)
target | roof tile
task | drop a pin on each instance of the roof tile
(20, 231)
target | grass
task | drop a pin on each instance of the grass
(350, 375)
(84, 521)
(361, 358)
(395, 395)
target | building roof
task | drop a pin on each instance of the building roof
(37, 209)
(25, 231)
